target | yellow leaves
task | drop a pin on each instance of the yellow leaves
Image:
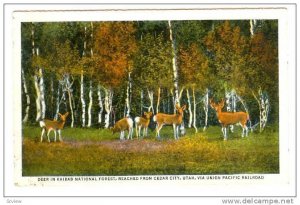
(114, 45)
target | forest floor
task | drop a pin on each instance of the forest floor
(97, 152)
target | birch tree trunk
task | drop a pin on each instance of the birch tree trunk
(42, 93)
(127, 100)
(158, 99)
(100, 105)
(264, 107)
(90, 104)
(37, 99)
(175, 75)
(205, 107)
(108, 106)
(83, 105)
(189, 108)
(150, 95)
(195, 111)
(252, 27)
(174, 63)
(36, 80)
(68, 88)
(57, 102)
(231, 104)
(71, 108)
(142, 103)
(25, 119)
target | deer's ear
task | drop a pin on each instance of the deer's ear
(183, 107)
(222, 103)
(59, 114)
(177, 106)
(150, 113)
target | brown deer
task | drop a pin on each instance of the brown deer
(142, 122)
(230, 118)
(49, 125)
(167, 119)
(123, 125)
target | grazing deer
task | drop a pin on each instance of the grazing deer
(142, 122)
(49, 125)
(230, 118)
(166, 119)
(123, 125)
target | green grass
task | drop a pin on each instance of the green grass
(98, 152)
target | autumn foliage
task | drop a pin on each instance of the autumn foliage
(114, 46)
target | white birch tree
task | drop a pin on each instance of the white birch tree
(25, 118)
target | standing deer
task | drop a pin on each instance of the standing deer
(142, 122)
(49, 125)
(167, 119)
(123, 125)
(230, 118)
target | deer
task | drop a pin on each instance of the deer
(230, 118)
(123, 125)
(167, 119)
(53, 125)
(142, 122)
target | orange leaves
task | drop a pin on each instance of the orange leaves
(114, 46)
(193, 65)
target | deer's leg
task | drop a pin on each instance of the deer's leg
(146, 128)
(130, 132)
(43, 131)
(121, 135)
(59, 135)
(48, 134)
(225, 133)
(143, 132)
(136, 131)
(174, 129)
(54, 135)
(158, 128)
(231, 128)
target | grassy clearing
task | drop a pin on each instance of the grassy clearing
(98, 152)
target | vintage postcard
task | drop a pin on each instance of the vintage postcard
(151, 100)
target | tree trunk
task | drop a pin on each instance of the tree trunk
(38, 99)
(158, 100)
(174, 63)
(252, 27)
(90, 104)
(42, 89)
(264, 107)
(68, 88)
(142, 103)
(127, 100)
(100, 105)
(195, 111)
(83, 105)
(175, 74)
(189, 108)
(57, 102)
(150, 95)
(205, 107)
(25, 119)
(71, 108)
(108, 106)
(231, 104)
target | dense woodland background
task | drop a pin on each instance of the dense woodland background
(103, 71)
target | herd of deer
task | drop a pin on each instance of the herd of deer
(161, 119)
